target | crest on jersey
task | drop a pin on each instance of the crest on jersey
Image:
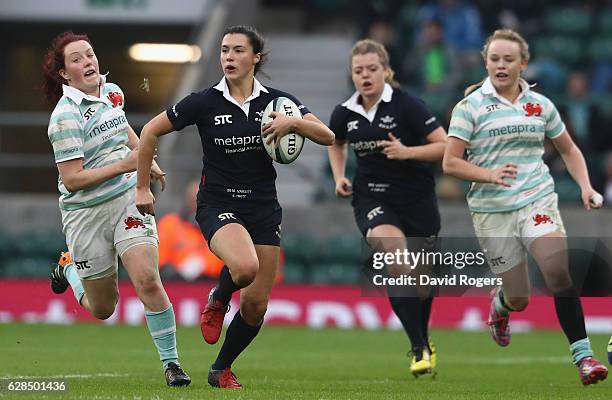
(532, 109)
(386, 122)
(116, 98)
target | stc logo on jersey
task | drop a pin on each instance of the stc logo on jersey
(89, 113)
(351, 126)
(223, 119)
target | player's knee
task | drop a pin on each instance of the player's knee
(517, 303)
(244, 271)
(103, 310)
(253, 312)
(558, 281)
(148, 285)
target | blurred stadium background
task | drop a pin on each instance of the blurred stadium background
(434, 47)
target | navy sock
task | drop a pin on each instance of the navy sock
(408, 310)
(571, 317)
(425, 314)
(238, 336)
(226, 286)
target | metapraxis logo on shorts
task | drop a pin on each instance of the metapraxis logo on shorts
(225, 216)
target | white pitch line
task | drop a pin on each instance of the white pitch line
(76, 376)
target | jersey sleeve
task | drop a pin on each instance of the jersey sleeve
(554, 125)
(420, 120)
(185, 112)
(462, 122)
(66, 134)
(337, 125)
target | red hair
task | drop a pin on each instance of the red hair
(54, 61)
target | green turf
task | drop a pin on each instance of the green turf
(293, 363)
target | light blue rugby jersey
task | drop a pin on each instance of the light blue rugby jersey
(96, 130)
(497, 132)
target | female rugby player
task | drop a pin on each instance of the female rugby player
(502, 124)
(95, 152)
(238, 211)
(396, 139)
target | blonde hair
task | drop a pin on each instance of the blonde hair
(367, 46)
(501, 34)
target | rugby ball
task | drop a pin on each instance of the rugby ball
(290, 145)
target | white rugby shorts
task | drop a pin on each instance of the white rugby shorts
(505, 237)
(93, 233)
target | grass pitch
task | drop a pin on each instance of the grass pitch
(120, 362)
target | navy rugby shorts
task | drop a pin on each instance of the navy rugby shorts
(261, 219)
(415, 219)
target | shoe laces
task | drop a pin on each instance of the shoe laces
(417, 353)
(175, 368)
(58, 273)
(587, 363)
(214, 303)
(228, 378)
(500, 323)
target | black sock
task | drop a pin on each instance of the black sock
(226, 286)
(238, 336)
(571, 317)
(408, 310)
(425, 314)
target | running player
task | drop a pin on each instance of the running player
(93, 147)
(396, 139)
(238, 211)
(503, 124)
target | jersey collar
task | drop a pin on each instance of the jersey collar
(77, 96)
(353, 103)
(257, 89)
(488, 88)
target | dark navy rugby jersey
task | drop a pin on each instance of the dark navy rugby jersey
(409, 120)
(236, 166)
